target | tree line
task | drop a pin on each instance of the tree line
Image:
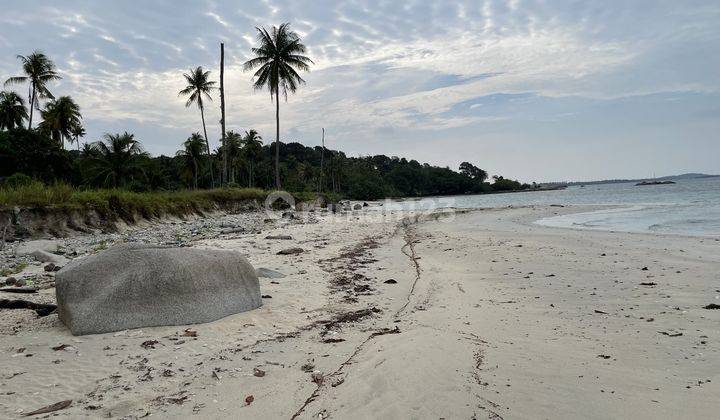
(119, 160)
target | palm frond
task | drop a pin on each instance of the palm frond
(16, 80)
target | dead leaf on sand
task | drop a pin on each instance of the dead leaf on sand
(318, 378)
(258, 372)
(61, 347)
(249, 399)
(149, 344)
(189, 333)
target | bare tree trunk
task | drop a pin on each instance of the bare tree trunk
(322, 158)
(222, 110)
(32, 106)
(207, 144)
(277, 139)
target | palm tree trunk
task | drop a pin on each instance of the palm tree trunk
(277, 138)
(222, 111)
(322, 158)
(207, 144)
(195, 177)
(251, 178)
(32, 106)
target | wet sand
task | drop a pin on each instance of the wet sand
(474, 315)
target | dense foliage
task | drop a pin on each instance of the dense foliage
(120, 162)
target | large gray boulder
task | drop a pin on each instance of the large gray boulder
(133, 285)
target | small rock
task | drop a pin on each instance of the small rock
(50, 267)
(258, 372)
(20, 282)
(44, 256)
(712, 306)
(291, 251)
(268, 273)
(390, 281)
(232, 230)
(10, 281)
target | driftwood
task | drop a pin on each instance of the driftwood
(18, 289)
(40, 308)
(50, 408)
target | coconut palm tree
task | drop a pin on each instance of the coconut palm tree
(115, 160)
(77, 131)
(192, 154)
(199, 87)
(252, 148)
(59, 117)
(39, 70)
(278, 58)
(12, 110)
(233, 146)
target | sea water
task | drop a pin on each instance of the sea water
(688, 207)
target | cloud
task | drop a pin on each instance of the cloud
(393, 70)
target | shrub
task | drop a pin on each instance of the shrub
(17, 180)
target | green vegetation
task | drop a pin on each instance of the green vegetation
(116, 176)
(119, 202)
(14, 270)
(198, 87)
(39, 71)
(278, 59)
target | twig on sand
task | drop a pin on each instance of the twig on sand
(339, 370)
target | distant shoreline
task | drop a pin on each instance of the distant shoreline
(683, 177)
(415, 198)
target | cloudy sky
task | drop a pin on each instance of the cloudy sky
(534, 90)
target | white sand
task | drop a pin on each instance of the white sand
(484, 331)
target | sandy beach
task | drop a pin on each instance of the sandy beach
(461, 314)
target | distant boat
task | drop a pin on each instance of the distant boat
(654, 183)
